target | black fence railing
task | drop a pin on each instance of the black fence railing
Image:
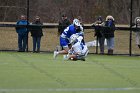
(55, 26)
(126, 28)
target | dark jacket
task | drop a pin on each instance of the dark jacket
(109, 29)
(98, 29)
(36, 31)
(62, 25)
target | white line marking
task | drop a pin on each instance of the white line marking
(123, 66)
(93, 89)
(69, 89)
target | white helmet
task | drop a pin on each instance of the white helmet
(76, 22)
(137, 21)
(73, 38)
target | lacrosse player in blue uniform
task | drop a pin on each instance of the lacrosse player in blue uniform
(75, 28)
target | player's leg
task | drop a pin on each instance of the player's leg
(64, 43)
(77, 57)
(83, 55)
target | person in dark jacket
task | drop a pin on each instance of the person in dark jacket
(63, 23)
(99, 33)
(109, 33)
(36, 33)
(80, 20)
(82, 24)
(22, 33)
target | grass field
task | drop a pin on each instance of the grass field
(40, 73)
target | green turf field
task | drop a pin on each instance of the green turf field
(40, 73)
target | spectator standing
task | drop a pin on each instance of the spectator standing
(63, 23)
(99, 33)
(109, 33)
(22, 33)
(36, 33)
(81, 23)
(80, 20)
(137, 25)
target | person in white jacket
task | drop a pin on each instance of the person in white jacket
(137, 25)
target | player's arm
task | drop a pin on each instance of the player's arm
(64, 34)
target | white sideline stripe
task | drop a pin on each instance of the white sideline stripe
(69, 89)
(123, 66)
(93, 89)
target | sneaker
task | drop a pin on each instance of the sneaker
(55, 54)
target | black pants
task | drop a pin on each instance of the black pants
(101, 43)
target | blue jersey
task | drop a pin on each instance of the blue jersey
(70, 30)
(65, 36)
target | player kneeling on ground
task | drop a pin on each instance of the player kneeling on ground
(78, 50)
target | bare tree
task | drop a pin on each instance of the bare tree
(51, 10)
